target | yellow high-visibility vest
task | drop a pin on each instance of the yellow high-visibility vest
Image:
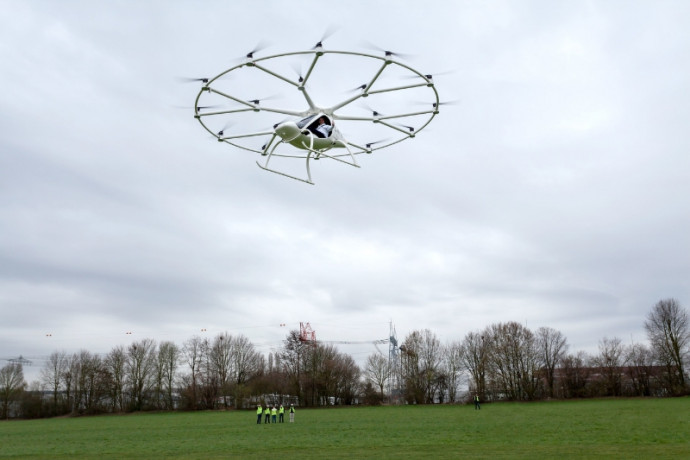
(259, 410)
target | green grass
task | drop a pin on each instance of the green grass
(625, 428)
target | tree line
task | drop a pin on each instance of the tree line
(504, 361)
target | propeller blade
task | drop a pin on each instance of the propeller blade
(267, 98)
(327, 33)
(359, 88)
(430, 76)
(281, 122)
(204, 107)
(226, 126)
(203, 79)
(262, 45)
(190, 80)
(368, 145)
(386, 52)
(454, 102)
(298, 70)
(434, 105)
(373, 112)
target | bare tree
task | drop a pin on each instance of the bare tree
(327, 376)
(552, 347)
(411, 372)
(609, 361)
(669, 335)
(439, 389)
(210, 381)
(90, 382)
(514, 361)
(319, 376)
(140, 365)
(422, 351)
(639, 369)
(114, 365)
(331, 377)
(78, 363)
(453, 367)
(475, 353)
(192, 351)
(347, 379)
(166, 368)
(246, 364)
(11, 387)
(51, 377)
(408, 367)
(376, 371)
(575, 370)
(221, 358)
(430, 357)
(293, 358)
(68, 377)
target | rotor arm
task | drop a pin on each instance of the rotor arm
(270, 72)
(254, 106)
(398, 88)
(221, 112)
(409, 132)
(349, 118)
(241, 136)
(291, 113)
(312, 106)
(385, 64)
(403, 115)
(346, 102)
(240, 101)
(317, 55)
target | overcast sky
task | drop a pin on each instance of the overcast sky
(554, 193)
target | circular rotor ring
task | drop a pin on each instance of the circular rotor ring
(246, 140)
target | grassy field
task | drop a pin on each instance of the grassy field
(630, 428)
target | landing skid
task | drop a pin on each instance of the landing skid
(309, 181)
(317, 154)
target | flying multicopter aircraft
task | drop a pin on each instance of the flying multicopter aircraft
(301, 130)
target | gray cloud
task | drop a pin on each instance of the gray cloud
(553, 193)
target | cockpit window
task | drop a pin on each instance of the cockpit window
(304, 121)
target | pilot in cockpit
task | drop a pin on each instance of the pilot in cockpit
(323, 129)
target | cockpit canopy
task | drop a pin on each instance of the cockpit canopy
(305, 121)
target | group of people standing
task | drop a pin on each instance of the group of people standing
(270, 413)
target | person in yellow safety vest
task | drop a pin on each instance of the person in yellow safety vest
(274, 412)
(292, 413)
(259, 411)
(281, 413)
(476, 402)
(267, 415)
